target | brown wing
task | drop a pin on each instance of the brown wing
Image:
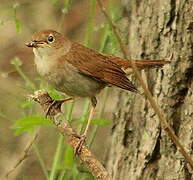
(95, 65)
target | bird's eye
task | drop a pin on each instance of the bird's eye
(50, 38)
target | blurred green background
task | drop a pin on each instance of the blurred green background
(50, 157)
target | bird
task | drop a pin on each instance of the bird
(79, 71)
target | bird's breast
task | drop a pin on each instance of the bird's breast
(69, 80)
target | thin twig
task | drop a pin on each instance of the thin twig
(23, 156)
(150, 98)
(95, 167)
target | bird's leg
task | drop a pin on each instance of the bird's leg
(83, 136)
(56, 102)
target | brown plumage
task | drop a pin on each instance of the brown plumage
(141, 64)
(98, 66)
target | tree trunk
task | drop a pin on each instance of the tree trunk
(140, 149)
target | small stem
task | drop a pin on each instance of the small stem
(67, 4)
(69, 112)
(104, 38)
(90, 26)
(61, 175)
(25, 78)
(57, 157)
(101, 112)
(84, 115)
(42, 164)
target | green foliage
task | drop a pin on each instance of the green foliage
(69, 157)
(2, 115)
(1, 22)
(90, 26)
(26, 104)
(54, 1)
(75, 173)
(101, 122)
(28, 124)
(53, 93)
(18, 25)
(66, 6)
(16, 62)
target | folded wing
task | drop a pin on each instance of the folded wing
(97, 66)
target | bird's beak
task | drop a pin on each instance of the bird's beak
(35, 44)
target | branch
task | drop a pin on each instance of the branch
(94, 166)
(150, 98)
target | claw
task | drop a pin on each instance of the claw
(49, 108)
(57, 103)
(78, 148)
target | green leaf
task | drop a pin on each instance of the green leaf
(18, 26)
(54, 1)
(2, 114)
(64, 10)
(65, 176)
(1, 22)
(75, 173)
(30, 123)
(66, 6)
(100, 122)
(26, 104)
(53, 93)
(69, 157)
(16, 61)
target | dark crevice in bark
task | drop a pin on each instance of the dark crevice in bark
(188, 175)
(117, 114)
(152, 159)
(172, 12)
(176, 114)
(180, 97)
(128, 135)
(155, 154)
(189, 75)
(190, 26)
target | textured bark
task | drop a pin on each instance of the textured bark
(140, 149)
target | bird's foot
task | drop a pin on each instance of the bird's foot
(55, 103)
(49, 108)
(78, 148)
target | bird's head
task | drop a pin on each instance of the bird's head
(48, 42)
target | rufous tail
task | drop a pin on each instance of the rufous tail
(141, 64)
